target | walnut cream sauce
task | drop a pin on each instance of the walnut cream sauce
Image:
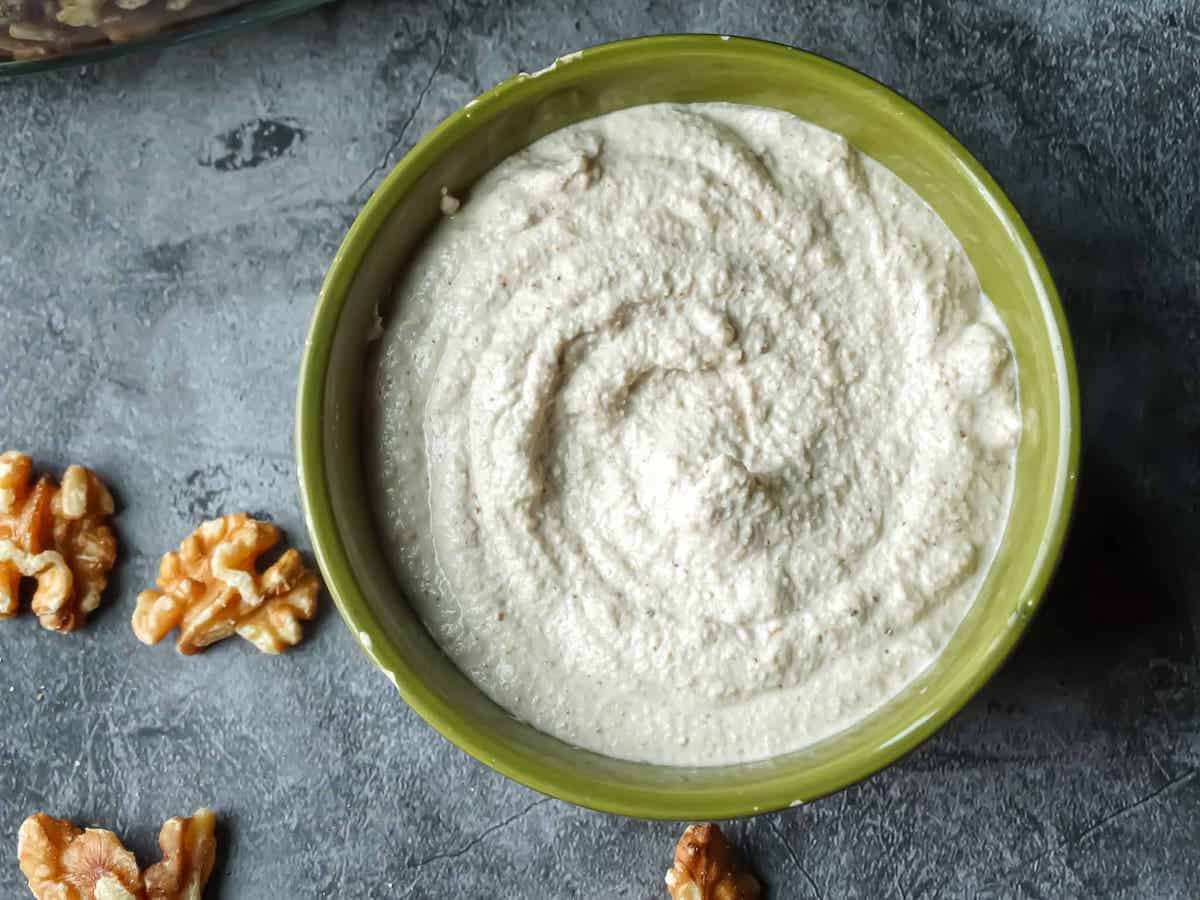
(695, 434)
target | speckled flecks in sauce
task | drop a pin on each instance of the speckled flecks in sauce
(695, 434)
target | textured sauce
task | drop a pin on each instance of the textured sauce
(693, 434)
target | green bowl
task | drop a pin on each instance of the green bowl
(683, 69)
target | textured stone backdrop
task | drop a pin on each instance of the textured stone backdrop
(165, 221)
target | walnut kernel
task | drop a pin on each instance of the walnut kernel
(211, 589)
(31, 31)
(58, 536)
(62, 862)
(706, 868)
(79, 13)
(189, 848)
(81, 535)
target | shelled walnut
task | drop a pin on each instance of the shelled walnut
(62, 862)
(189, 849)
(706, 868)
(79, 13)
(211, 589)
(24, 527)
(58, 536)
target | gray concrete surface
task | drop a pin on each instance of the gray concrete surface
(165, 221)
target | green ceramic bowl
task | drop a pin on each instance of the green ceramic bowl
(686, 68)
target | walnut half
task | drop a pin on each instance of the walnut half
(211, 589)
(58, 536)
(189, 849)
(707, 868)
(62, 862)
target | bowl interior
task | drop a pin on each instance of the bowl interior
(682, 69)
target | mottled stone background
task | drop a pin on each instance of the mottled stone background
(165, 221)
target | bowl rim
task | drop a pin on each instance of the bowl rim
(330, 550)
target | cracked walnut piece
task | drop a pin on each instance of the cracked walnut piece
(57, 535)
(62, 862)
(706, 868)
(211, 589)
(189, 849)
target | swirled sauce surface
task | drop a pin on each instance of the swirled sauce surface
(694, 434)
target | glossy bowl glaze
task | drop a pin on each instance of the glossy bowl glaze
(686, 68)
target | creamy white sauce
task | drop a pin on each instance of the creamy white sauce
(694, 434)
